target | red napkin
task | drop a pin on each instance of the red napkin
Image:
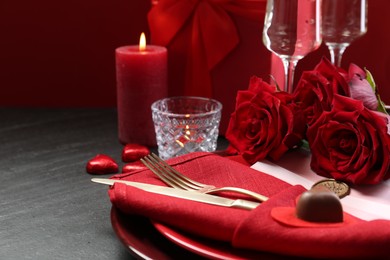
(254, 229)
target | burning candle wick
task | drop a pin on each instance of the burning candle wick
(142, 42)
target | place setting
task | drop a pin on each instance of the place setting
(305, 172)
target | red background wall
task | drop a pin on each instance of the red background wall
(61, 54)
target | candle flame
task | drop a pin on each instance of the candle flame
(187, 132)
(142, 42)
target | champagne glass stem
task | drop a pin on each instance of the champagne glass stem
(289, 65)
(336, 53)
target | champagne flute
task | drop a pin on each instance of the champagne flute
(343, 21)
(292, 29)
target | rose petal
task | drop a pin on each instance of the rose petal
(362, 90)
(354, 70)
(134, 152)
(102, 164)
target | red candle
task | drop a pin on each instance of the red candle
(141, 73)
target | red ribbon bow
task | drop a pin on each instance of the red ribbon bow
(213, 33)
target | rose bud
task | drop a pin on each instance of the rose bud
(361, 88)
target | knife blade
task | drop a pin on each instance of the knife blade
(183, 194)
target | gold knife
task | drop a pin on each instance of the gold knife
(183, 194)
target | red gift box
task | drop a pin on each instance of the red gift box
(214, 47)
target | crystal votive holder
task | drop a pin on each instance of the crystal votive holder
(186, 124)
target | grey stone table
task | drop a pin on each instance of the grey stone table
(49, 208)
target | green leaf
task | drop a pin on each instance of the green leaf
(305, 144)
(370, 79)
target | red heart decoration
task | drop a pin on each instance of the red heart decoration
(133, 166)
(102, 164)
(134, 152)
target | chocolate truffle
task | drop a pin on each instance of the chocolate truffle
(319, 205)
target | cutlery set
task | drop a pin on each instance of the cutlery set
(177, 180)
(183, 194)
(185, 188)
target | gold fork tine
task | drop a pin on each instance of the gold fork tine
(170, 173)
(177, 180)
(175, 174)
(163, 173)
(148, 163)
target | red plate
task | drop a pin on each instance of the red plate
(142, 240)
(208, 248)
(148, 239)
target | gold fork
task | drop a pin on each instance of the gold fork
(177, 180)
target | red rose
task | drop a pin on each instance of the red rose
(263, 123)
(336, 76)
(351, 143)
(315, 89)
